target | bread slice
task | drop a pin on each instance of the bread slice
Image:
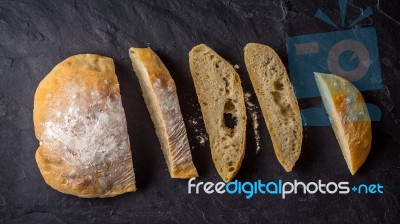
(220, 96)
(349, 117)
(277, 101)
(80, 123)
(161, 99)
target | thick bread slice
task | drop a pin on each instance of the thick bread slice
(80, 123)
(160, 96)
(278, 103)
(220, 95)
(349, 117)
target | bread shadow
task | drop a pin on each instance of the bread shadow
(308, 155)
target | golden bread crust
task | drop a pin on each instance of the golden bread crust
(80, 123)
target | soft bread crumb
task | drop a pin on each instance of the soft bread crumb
(220, 95)
(277, 101)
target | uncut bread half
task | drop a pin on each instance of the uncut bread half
(159, 92)
(220, 95)
(349, 117)
(277, 101)
(80, 123)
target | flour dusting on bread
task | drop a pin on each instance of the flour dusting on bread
(88, 133)
(80, 123)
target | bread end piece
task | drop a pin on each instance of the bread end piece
(349, 117)
(277, 101)
(159, 92)
(220, 96)
(84, 149)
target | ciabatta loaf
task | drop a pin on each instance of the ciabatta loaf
(80, 123)
(349, 117)
(220, 96)
(161, 99)
(277, 101)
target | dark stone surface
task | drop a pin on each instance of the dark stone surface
(36, 35)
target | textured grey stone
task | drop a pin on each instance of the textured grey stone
(36, 35)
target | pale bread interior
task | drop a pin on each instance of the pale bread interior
(152, 104)
(220, 95)
(277, 101)
(161, 99)
(334, 118)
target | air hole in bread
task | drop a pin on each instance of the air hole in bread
(226, 85)
(230, 163)
(231, 169)
(285, 109)
(198, 50)
(278, 85)
(229, 106)
(226, 82)
(276, 96)
(216, 65)
(229, 120)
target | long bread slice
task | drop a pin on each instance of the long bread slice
(159, 92)
(349, 117)
(220, 95)
(277, 101)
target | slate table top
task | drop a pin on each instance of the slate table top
(36, 35)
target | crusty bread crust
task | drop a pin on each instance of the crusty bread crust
(220, 93)
(277, 101)
(161, 99)
(349, 116)
(80, 123)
